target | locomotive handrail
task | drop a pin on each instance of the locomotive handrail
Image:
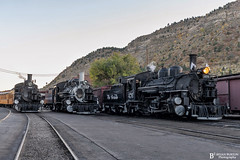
(149, 87)
(175, 91)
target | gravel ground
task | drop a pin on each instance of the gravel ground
(42, 142)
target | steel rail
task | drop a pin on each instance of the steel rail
(103, 148)
(64, 142)
(23, 140)
(180, 129)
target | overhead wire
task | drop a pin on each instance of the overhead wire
(21, 74)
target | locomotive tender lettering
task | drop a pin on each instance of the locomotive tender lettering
(112, 97)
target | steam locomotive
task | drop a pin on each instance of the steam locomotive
(74, 96)
(169, 91)
(27, 97)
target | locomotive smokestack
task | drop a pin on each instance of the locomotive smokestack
(29, 77)
(193, 62)
(81, 76)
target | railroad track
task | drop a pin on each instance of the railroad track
(42, 141)
(226, 131)
(231, 124)
(84, 146)
(49, 138)
(73, 143)
(223, 138)
(224, 123)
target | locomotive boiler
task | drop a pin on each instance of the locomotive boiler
(169, 91)
(27, 97)
(74, 96)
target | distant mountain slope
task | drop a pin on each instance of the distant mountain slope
(215, 38)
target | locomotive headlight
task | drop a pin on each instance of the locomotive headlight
(206, 70)
(30, 83)
(16, 101)
(68, 102)
(177, 100)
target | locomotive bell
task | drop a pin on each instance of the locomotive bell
(193, 62)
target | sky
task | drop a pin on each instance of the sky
(46, 36)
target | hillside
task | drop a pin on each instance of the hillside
(215, 38)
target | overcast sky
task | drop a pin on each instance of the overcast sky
(46, 36)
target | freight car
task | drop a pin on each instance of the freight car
(47, 98)
(6, 98)
(229, 91)
(27, 97)
(98, 92)
(74, 96)
(169, 91)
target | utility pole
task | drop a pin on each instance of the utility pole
(147, 55)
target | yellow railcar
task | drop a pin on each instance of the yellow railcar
(7, 98)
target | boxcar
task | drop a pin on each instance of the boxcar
(98, 92)
(48, 98)
(229, 91)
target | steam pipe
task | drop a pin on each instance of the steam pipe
(81, 76)
(193, 62)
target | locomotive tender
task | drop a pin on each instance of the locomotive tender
(74, 96)
(27, 97)
(169, 91)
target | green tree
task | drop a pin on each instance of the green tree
(106, 71)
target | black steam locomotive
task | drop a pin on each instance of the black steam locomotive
(27, 97)
(168, 91)
(74, 96)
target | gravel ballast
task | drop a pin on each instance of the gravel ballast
(42, 142)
